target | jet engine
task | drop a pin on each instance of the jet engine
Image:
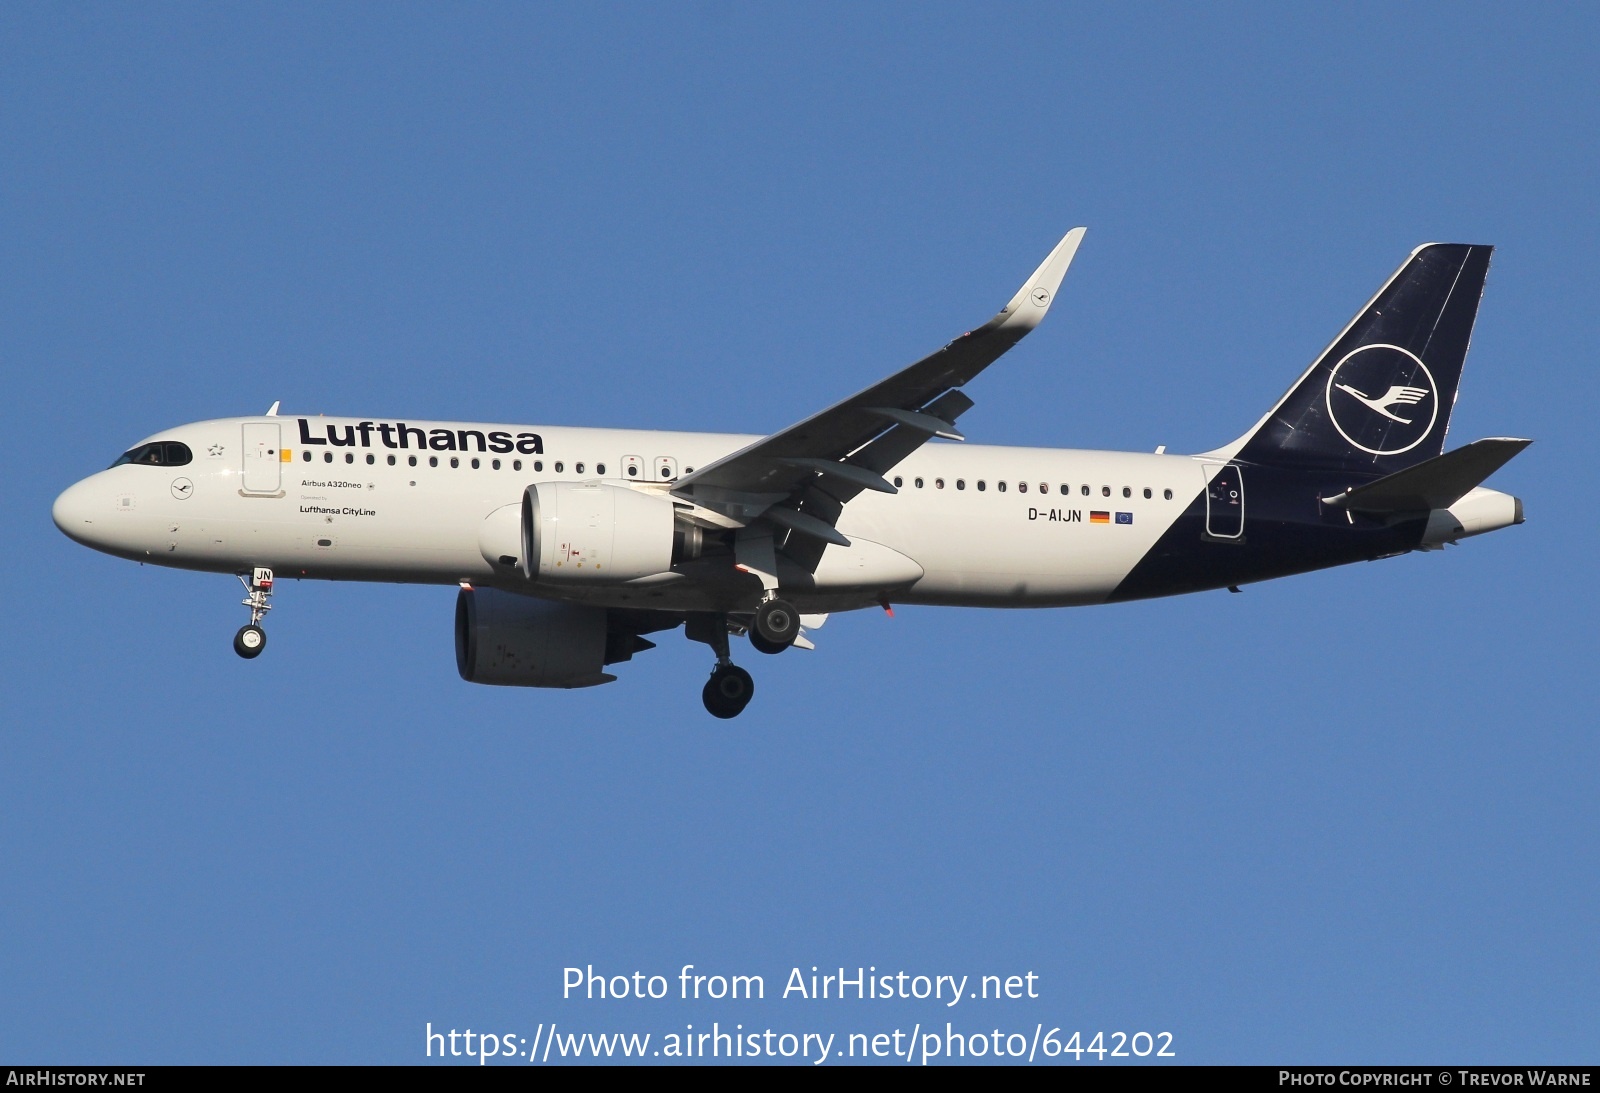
(595, 532)
(518, 641)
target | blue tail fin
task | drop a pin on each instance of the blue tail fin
(1379, 398)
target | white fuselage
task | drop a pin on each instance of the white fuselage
(984, 525)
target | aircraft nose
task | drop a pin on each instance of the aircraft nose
(75, 512)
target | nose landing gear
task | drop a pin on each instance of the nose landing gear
(252, 639)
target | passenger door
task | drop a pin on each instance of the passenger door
(1224, 502)
(262, 459)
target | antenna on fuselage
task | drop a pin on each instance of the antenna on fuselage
(272, 411)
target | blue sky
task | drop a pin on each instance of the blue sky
(1342, 817)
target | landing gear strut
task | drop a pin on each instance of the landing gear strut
(730, 687)
(251, 639)
(777, 624)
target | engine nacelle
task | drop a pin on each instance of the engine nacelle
(598, 533)
(518, 641)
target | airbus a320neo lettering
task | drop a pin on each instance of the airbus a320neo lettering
(571, 545)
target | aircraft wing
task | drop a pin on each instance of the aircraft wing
(798, 477)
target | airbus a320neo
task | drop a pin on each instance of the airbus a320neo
(570, 545)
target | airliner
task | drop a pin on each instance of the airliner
(570, 545)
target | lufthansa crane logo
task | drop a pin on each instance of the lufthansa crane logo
(1382, 399)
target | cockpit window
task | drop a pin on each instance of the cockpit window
(162, 453)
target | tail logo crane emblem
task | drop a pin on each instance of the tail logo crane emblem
(1399, 418)
(1395, 396)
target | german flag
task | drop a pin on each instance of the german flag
(1099, 517)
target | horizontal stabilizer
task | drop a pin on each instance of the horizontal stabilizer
(1436, 483)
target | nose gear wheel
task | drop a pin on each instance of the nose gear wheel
(249, 642)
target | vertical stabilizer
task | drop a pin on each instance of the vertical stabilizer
(1379, 398)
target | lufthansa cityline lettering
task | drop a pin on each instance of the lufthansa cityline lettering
(398, 435)
(346, 511)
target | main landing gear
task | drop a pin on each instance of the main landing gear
(730, 687)
(728, 691)
(252, 639)
(776, 626)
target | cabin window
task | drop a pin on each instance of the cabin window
(516, 464)
(306, 456)
(494, 464)
(560, 467)
(633, 472)
(411, 461)
(600, 469)
(1084, 489)
(1001, 486)
(1022, 487)
(688, 470)
(981, 485)
(327, 457)
(1167, 494)
(579, 468)
(1147, 493)
(1065, 489)
(391, 461)
(371, 459)
(1105, 491)
(538, 464)
(475, 463)
(455, 462)
(433, 461)
(898, 481)
(938, 483)
(961, 483)
(349, 457)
